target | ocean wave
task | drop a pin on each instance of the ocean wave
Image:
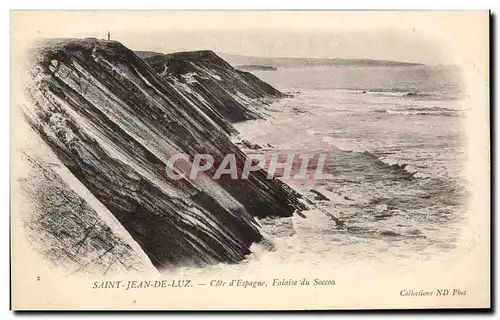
(344, 146)
(398, 165)
(390, 162)
(409, 168)
(405, 93)
(422, 112)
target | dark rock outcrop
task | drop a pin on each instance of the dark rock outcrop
(319, 196)
(249, 145)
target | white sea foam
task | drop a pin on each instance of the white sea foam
(394, 179)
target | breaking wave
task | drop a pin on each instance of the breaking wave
(398, 165)
(405, 93)
(431, 111)
(402, 167)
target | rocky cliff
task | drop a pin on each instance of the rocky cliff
(114, 121)
(211, 81)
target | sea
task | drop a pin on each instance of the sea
(395, 137)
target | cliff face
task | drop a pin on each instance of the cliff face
(211, 81)
(64, 226)
(114, 123)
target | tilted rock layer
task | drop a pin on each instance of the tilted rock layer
(113, 121)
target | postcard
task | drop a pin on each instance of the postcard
(250, 160)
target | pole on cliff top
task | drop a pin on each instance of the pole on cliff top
(109, 35)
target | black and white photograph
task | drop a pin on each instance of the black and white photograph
(182, 159)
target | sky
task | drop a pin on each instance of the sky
(410, 36)
(383, 44)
